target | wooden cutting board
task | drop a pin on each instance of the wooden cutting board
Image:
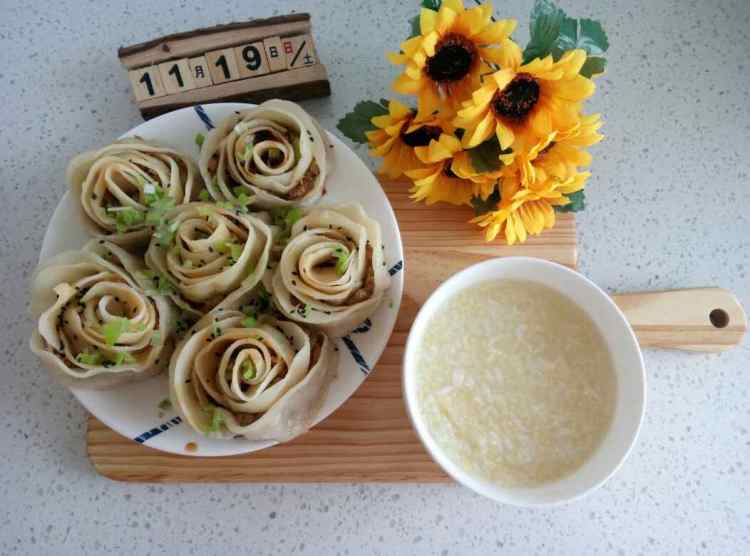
(369, 438)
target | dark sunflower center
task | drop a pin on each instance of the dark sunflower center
(453, 58)
(448, 171)
(421, 137)
(518, 97)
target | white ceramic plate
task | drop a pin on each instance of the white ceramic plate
(133, 410)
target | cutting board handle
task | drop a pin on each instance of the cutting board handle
(697, 319)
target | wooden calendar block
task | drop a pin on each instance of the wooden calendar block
(251, 60)
(275, 54)
(247, 61)
(222, 65)
(146, 83)
(199, 72)
(299, 51)
(176, 76)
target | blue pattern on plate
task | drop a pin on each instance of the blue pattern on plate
(203, 116)
(364, 327)
(173, 422)
(396, 267)
(356, 354)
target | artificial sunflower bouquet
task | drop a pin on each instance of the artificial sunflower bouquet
(496, 127)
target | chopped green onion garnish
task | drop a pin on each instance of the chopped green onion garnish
(165, 404)
(295, 146)
(234, 249)
(162, 284)
(248, 370)
(247, 154)
(126, 217)
(249, 321)
(216, 329)
(216, 420)
(263, 298)
(285, 218)
(342, 260)
(93, 358)
(113, 329)
(122, 357)
(158, 202)
(156, 338)
(164, 233)
(199, 138)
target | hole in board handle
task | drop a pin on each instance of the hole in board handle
(719, 318)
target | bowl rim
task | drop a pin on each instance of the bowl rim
(485, 488)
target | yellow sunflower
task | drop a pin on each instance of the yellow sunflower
(527, 211)
(444, 63)
(448, 175)
(398, 134)
(560, 153)
(523, 102)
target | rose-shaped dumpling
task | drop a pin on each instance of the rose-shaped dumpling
(332, 271)
(124, 188)
(96, 327)
(275, 154)
(203, 254)
(262, 382)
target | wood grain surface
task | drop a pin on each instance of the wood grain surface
(369, 438)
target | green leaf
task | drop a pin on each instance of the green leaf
(415, 28)
(433, 5)
(385, 102)
(487, 205)
(582, 33)
(485, 157)
(544, 27)
(357, 122)
(577, 202)
(593, 66)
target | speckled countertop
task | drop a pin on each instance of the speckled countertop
(668, 207)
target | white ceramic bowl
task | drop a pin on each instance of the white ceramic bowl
(626, 356)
